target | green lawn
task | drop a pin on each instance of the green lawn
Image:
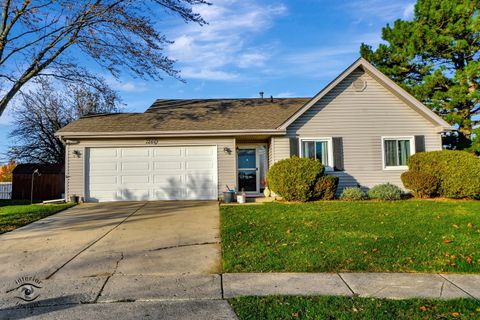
(17, 215)
(402, 236)
(356, 308)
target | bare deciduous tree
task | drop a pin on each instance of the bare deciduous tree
(49, 107)
(43, 37)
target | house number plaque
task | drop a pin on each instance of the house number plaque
(151, 141)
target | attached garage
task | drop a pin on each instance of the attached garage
(151, 173)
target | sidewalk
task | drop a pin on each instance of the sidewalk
(185, 296)
(379, 285)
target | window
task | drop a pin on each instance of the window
(318, 148)
(396, 151)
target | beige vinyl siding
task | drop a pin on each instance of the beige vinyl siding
(280, 149)
(361, 119)
(75, 175)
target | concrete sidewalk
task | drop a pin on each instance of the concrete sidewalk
(197, 296)
(379, 285)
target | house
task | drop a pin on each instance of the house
(362, 127)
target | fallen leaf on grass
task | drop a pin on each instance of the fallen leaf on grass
(447, 241)
(468, 259)
(287, 231)
(470, 225)
(423, 308)
(455, 314)
(455, 225)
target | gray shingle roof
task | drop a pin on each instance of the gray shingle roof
(194, 115)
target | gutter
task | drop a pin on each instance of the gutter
(170, 134)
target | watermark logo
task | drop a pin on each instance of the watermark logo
(27, 289)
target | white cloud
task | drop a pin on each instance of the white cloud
(378, 9)
(409, 11)
(286, 94)
(200, 73)
(211, 52)
(127, 86)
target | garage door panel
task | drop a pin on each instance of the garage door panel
(159, 165)
(198, 152)
(132, 179)
(135, 166)
(199, 180)
(103, 180)
(152, 173)
(104, 166)
(200, 164)
(200, 194)
(135, 152)
(106, 196)
(135, 194)
(106, 153)
(167, 152)
(169, 194)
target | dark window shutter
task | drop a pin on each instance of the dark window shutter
(419, 143)
(338, 153)
(294, 147)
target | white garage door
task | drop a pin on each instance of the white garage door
(151, 173)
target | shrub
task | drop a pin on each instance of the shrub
(294, 178)
(325, 188)
(386, 191)
(457, 172)
(420, 184)
(353, 194)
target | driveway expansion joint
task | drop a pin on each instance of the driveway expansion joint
(348, 286)
(460, 288)
(185, 245)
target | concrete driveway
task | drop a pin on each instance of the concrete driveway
(117, 252)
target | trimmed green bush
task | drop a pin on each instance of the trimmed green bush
(353, 194)
(294, 178)
(325, 188)
(385, 191)
(458, 172)
(420, 184)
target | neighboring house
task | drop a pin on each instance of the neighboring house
(362, 127)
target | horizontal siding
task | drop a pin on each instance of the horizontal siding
(74, 176)
(75, 166)
(281, 148)
(362, 118)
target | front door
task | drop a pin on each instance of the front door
(248, 170)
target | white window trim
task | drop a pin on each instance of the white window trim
(412, 150)
(329, 166)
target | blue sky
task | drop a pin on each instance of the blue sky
(285, 48)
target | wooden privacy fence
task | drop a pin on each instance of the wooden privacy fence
(50, 184)
(5, 190)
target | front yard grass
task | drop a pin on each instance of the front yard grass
(17, 215)
(334, 236)
(274, 307)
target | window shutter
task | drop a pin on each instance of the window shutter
(338, 153)
(419, 143)
(294, 147)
